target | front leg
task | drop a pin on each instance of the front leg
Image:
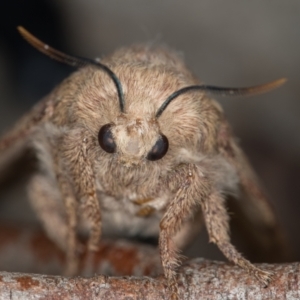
(197, 189)
(217, 224)
(72, 162)
(78, 151)
(70, 204)
(179, 209)
(75, 180)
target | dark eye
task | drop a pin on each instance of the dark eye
(106, 139)
(159, 149)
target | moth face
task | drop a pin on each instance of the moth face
(133, 139)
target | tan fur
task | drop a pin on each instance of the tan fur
(123, 193)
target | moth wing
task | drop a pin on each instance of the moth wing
(14, 142)
(260, 219)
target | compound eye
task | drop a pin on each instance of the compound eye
(106, 140)
(159, 149)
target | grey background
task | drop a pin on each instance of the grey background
(226, 43)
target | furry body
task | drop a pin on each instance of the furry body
(125, 180)
(80, 186)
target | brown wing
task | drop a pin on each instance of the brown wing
(261, 220)
(13, 142)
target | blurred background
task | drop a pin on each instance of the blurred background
(226, 43)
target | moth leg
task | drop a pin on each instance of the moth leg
(72, 221)
(45, 199)
(59, 222)
(216, 220)
(53, 190)
(179, 209)
(77, 151)
(257, 208)
(71, 207)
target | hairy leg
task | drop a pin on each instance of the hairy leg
(79, 160)
(179, 209)
(70, 208)
(216, 220)
(257, 208)
(45, 199)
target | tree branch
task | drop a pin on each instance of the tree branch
(197, 279)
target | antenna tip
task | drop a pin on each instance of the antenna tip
(25, 33)
(21, 29)
(280, 82)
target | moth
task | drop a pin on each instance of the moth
(134, 145)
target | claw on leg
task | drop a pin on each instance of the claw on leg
(216, 219)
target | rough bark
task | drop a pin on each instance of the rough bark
(197, 279)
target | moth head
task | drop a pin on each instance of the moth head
(137, 138)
